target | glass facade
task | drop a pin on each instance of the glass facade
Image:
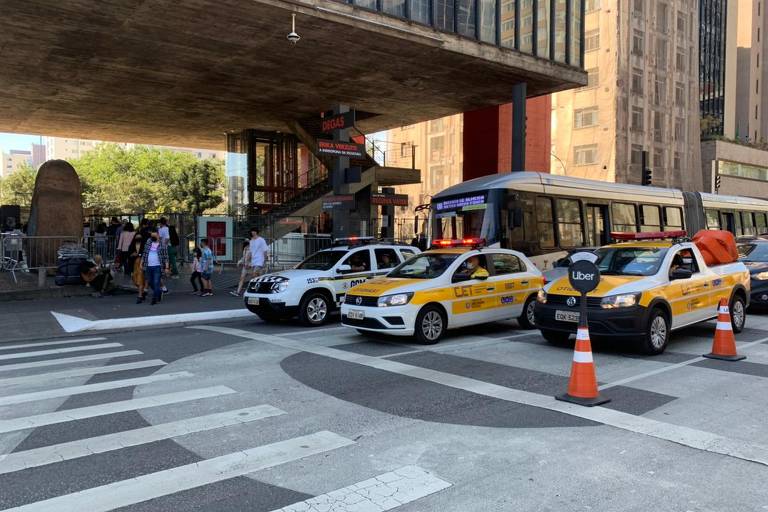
(550, 29)
(752, 172)
(712, 21)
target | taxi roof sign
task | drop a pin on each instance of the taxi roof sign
(650, 235)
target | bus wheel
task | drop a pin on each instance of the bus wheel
(526, 319)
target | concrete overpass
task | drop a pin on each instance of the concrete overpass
(186, 72)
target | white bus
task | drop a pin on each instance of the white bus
(544, 215)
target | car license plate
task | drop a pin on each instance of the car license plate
(567, 316)
(253, 301)
(356, 314)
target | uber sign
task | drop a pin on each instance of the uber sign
(584, 276)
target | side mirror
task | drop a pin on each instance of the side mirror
(680, 273)
(516, 217)
(343, 268)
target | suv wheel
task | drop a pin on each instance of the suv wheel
(314, 309)
(430, 325)
(526, 319)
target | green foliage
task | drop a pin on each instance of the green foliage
(199, 187)
(141, 179)
(18, 187)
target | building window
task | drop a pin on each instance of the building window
(637, 81)
(585, 155)
(757, 86)
(660, 90)
(680, 94)
(636, 156)
(742, 170)
(662, 15)
(658, 158)
(585, 117)
(591, 5)
(638, 43)
(681, 23)
(680, 61)
(661, 53)
(437, 177)
(679, 129)
(638, 113)
(676, 161)
(658, 127)
(436, 126)
(592, 40)
(593, 78)
(637, 8)
(436, 148)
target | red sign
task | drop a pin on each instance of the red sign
(336, 148)
(216, 232)
(390, 199)
(338, 122)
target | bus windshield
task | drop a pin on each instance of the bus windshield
(629, 261)
(469, 216)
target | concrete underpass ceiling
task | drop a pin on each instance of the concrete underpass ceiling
(186, 72)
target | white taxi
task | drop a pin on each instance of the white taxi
(455, 284)
(316, 286)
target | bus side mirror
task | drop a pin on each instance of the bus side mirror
(516, 217)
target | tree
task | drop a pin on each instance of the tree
(199, 187)
(19, 186)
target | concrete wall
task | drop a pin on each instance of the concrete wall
(712, 151)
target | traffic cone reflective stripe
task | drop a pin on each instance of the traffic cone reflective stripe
(582, 386)
(724, 344)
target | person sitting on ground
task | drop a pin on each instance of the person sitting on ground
(95, 275)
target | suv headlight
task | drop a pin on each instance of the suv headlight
(280, 287)
(542, 296)
(398, 299)
(624, 300)
(760, 276)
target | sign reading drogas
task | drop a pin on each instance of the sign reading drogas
(584, 276)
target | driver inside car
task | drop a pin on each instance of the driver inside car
(473, 269)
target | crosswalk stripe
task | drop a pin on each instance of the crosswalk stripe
(162, 483)
(377, 494)
(119, 440)
(67, 360)
(50, 343)
(90, 388)
(37, 353)
(93, 411)
(45, 378)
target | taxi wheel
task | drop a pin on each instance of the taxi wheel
(527, 320)
(738, 313)
(430, 325)
(656, 336)
(314, 309)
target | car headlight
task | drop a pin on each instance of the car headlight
(397, 299)
(760, 276)
(620, 301)
(542, 296)
(280, 287)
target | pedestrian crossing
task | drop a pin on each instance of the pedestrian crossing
(47, 365)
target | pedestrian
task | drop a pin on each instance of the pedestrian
(173, 251)
(154, 262)
(196, 271)
(137, 276)
(206, 268)
(112, 236)
(259, 251)
(165, 238)
(124, 246)
(100, 240)
(245, 263)
(144, 228)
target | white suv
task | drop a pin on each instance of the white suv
(317, 285)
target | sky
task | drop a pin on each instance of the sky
(9, 141)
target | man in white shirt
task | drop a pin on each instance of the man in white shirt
(259, 252)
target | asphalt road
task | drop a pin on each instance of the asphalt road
(245, 416)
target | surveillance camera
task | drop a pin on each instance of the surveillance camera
(293, 37)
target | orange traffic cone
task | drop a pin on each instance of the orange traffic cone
(582, 388)
(724, 345)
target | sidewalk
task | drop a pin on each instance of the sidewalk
(32, 319)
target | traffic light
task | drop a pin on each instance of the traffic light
(647, 177)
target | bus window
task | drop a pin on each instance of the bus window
(729, 224)
(747, 223)
(545, 222)
(650, 219)
(673, 218)
(713, 218)
(760, 225)
(624, 217)
(569, 229)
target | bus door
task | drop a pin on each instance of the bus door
(597, 225)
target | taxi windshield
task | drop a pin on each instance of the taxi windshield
(322, 260)
(630, 261)
(424, 266)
